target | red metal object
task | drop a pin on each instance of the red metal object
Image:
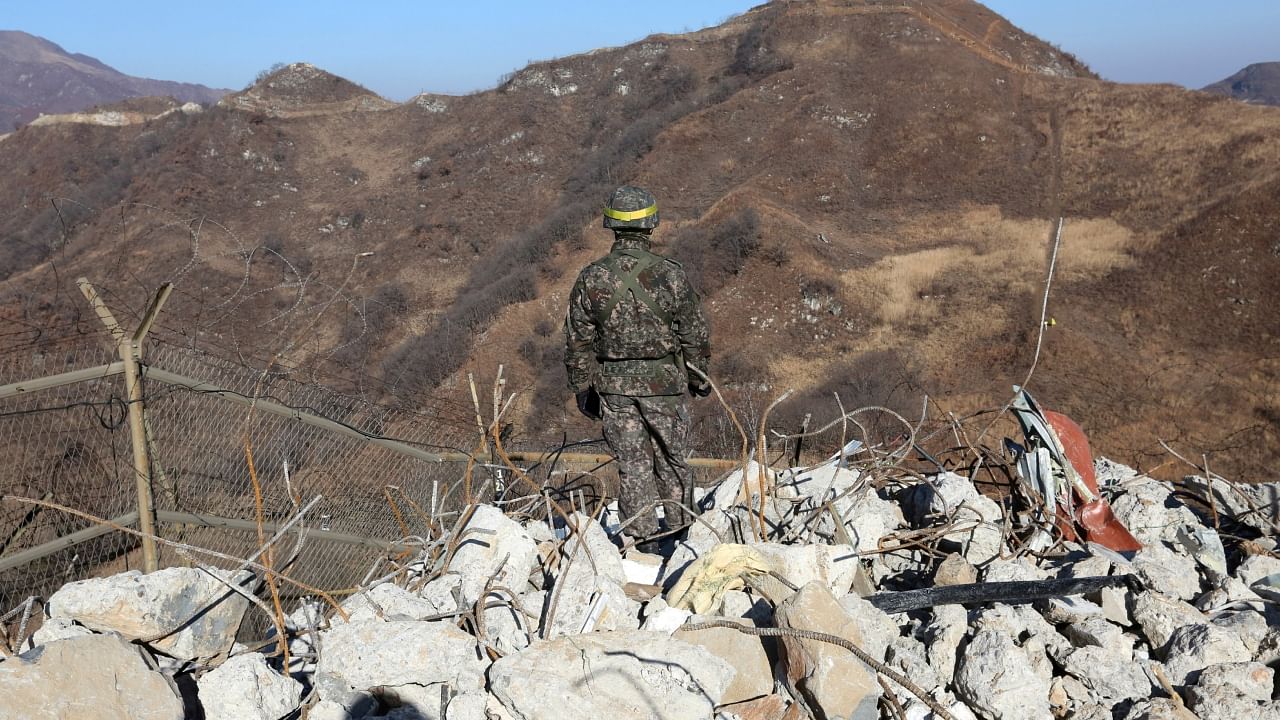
(1093, 512)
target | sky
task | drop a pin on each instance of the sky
(399, 48)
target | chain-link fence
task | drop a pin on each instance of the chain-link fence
(378, 470)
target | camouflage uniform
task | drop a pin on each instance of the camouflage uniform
(632, 347)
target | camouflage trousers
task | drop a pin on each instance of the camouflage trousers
(649, 438)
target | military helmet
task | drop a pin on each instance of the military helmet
(631, 208)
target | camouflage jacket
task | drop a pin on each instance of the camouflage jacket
(629, 343)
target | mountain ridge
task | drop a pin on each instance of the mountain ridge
(37, 76)
(1258, 84)
(865, 201)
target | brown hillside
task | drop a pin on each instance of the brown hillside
(865, 193)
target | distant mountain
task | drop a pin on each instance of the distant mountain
(1258, 84)
(37, 76)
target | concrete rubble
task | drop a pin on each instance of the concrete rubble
(519, 618)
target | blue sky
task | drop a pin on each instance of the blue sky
(399, 48)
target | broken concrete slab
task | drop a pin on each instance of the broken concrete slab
(388, 601)
(494, 546)
(978, 518)
(98, 676)
(620, 675)
(996, 681)
(372, 654)
(744, 652)
(877, 628)
(183, 612)
(245, 688)
(1166, 571)
(828, 678)
(1193, 648)
(1110, 674)
(1150, 511)
(1159, 616)
(948, 627)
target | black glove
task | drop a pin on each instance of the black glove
(699, 389)
(589, 403)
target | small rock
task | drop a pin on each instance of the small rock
(1114, 602)
(1168, 572)
(1022, 621)
(642, 568)
(506, 628)
(1150, 511)
(1204, 545)
(1159, 616)
(53, 629)
(1012, 570)
(909, 656)
(1109, 673)
(1068, 609)
(1249, 625)
(597, 604)
(443, 593)
(667, 620)
(833, 566)
(1195, 647)
(197, 614)
(1096, 631)
(947, 629)
(832, 682)
(618, 675)
(955, 570)
(1257, 567)
(244, 688)
(1252, 680)
(388, 602)
(995, 679)
(98, 676)
(979, 532)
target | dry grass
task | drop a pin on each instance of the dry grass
(990, 256)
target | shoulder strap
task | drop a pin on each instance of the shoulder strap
(627, 281)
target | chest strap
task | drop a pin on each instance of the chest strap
(627, 281)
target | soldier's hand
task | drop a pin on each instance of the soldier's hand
(700, 389)
(589, 403)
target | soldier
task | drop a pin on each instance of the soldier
(634, 325)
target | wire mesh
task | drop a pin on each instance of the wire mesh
(70, 445)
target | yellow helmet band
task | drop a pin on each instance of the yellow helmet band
(628, 215)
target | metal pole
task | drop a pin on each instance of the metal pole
(141, 461)
(129, 347)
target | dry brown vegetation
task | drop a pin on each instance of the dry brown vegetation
(865, 196)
